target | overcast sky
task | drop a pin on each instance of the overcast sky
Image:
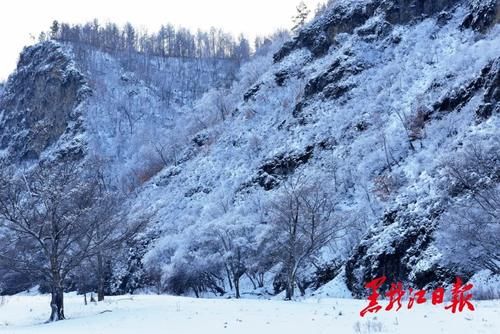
(21, 18)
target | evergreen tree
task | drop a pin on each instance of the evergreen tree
(54, 30)
(300, 18)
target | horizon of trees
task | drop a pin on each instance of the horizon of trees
(168, 41)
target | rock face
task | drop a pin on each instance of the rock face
(483, 14)
(40, 101)
(491, 92)
(279, 167)
(488, 81)
(408, 238)
(347, 16)
(400, 246)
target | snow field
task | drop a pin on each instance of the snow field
(168, 314)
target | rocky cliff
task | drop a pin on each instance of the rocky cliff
(376, 97)
(40, 106)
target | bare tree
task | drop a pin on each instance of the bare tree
(51, 223)
(470, 229)
(235, 247)
(45, 215)
(303, 223)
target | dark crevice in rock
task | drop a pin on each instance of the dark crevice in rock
(280, 77)
(482, 15)
(491, 95)
(338, 70)
(488, 80)
(275, 170)
(251, 92)
(272, 172)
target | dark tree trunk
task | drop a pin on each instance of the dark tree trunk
(57, 304)
(196, 292)
(252, 281)
(100, 278)
(237, 287)
(301, 288)
(229, 278)
(289, 291)
(260, 280)
(290, 282)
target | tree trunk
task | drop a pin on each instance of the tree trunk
(237, 286)
(252, 281)
(229, 277)
(301, 288)
(100, 278)
(57, 304)
(260, 280)
(290, 282)
(289, 291)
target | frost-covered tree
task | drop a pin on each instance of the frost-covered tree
(46, 215)
(52, 219)
(300, 17)
(195, 266)
(303, 222)
(469, 232)
(242, 49)
(235, 239)
(54, 30)
(166, 42)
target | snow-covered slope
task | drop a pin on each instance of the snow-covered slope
(376, 115)
(68, 103)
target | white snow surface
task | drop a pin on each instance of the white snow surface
(167, 314)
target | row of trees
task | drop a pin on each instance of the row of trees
(168, 41)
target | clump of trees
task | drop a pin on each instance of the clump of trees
(280, 236)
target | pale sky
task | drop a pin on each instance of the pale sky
(20, 18)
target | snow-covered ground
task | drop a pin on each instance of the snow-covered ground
(167, 314)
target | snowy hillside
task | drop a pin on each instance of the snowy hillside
(131, 113)
(380, 118)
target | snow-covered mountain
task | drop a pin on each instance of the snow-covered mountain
(392, 106)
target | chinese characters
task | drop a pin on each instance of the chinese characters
(460, 297)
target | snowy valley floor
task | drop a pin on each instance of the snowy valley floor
(145, 314)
